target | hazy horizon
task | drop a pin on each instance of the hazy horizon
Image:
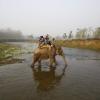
(49, 16)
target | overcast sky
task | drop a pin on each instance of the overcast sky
(49, 16)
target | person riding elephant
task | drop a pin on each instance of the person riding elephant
(47, 40)
(44, 41)
(41, 41)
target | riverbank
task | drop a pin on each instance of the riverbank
(9, 53)
(84, 44)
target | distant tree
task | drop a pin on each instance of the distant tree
(11, 34)
(70, 35)
(30, 37)
(65, 36)
(89, 33)
(81, 33)
(97, 33)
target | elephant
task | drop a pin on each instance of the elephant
(47, 52)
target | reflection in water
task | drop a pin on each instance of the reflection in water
(47, 80)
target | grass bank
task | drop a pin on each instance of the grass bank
(84, 44)
(8, 53)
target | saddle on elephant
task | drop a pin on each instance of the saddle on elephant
(45, 46)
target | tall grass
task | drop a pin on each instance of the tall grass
(85, 44)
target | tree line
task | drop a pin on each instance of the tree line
(9, 35)
(83, 33)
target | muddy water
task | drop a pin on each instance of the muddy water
(80, 80)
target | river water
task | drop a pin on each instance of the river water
(80, 80)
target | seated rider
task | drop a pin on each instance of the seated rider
(41, 41)
(53, 41)
(44, 41)
(47, 41)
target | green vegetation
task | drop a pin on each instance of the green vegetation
(84, 44)
(8, 53)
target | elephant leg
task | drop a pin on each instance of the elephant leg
(63, 56)
(55, 62)
(39, 63)
(35, 59)
(33, 63)
(51, 62)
